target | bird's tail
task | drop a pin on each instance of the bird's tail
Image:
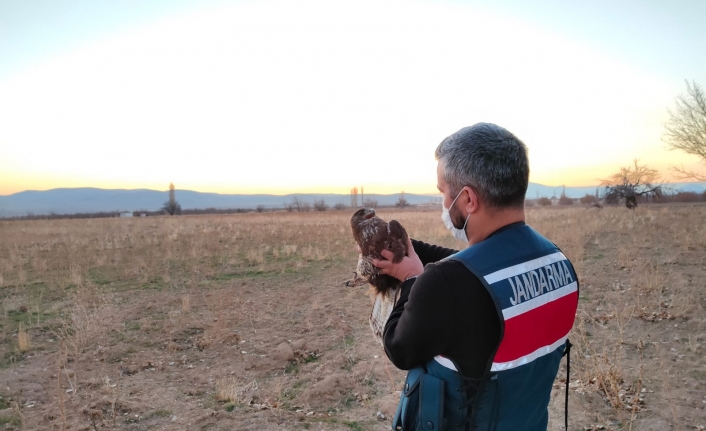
(383, 303)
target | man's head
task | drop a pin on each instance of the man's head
(489, 159)
(488, 165)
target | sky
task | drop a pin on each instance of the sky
(323, 95)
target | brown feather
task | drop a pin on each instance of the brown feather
(372, 234)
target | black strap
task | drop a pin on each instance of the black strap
(567, 353)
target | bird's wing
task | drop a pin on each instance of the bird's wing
(397, 240)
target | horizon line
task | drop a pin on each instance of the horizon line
(303, 192)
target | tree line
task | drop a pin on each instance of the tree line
(593, 200)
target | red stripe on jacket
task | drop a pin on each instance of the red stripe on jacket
(537, 328)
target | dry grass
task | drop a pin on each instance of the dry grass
(183, 314)
(641, 292)
(230, 390)
(23, 339)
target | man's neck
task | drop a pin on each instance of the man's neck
(486, 222)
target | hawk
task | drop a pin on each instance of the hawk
(372, 234)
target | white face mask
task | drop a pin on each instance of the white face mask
(459, 234)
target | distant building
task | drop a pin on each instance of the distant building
(125, 214)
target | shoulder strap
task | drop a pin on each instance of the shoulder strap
(567, 353)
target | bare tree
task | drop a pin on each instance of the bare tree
(354, 197)
(563, 199)
(339, 206)
(320, 205)
(402, 202)
(686, 128)
(288, 206)
(300, 205)
(370, 203)
(260, 208)
(631, 182)
(171, 206)
(297, 203)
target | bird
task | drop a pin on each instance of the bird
(373, 235)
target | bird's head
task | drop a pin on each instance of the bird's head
(362, 214)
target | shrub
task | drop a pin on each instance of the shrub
(589, 200)
(565, 200)
(544, 202)
(320, 205)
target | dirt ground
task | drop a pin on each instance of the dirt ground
(241, 322)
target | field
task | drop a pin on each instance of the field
(241, 322)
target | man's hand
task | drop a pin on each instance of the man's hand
(409, 266)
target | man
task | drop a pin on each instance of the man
(493, 319)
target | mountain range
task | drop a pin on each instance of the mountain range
(91, 200)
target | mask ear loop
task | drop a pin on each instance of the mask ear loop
(464, 225)
(455, 199)
(467, 217)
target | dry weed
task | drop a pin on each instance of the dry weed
(229, 389)
(23, 338)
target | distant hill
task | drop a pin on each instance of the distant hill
(692, 187)
(90, 200)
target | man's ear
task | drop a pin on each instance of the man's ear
(473, 204)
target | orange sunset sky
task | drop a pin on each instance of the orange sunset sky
(320, 96)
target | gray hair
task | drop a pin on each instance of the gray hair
(489, 159)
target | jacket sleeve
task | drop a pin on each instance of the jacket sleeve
(414, 332)
(429, 253)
